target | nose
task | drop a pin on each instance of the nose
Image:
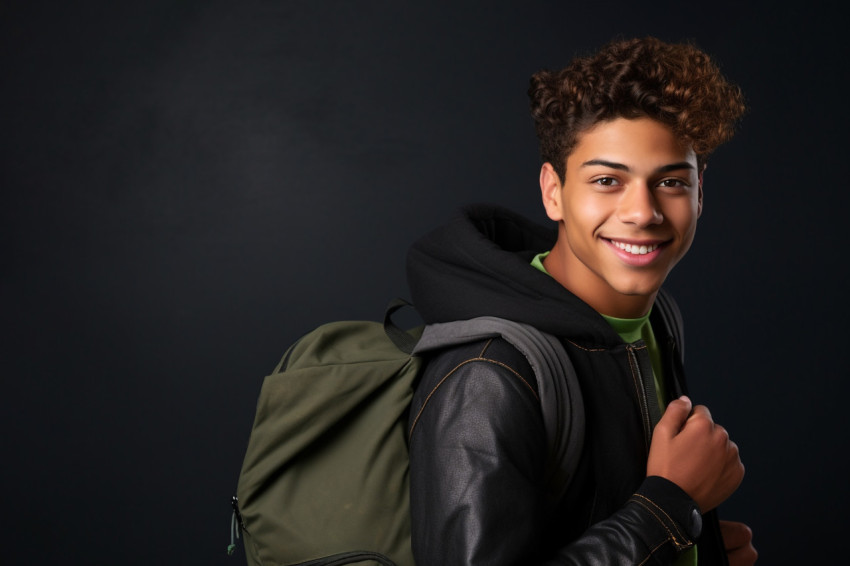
(638, 206)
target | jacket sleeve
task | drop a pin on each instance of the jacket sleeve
(477, 453)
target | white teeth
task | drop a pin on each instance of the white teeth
(636, 250)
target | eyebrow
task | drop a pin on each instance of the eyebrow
(622, 167)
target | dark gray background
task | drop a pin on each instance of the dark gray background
(188, 186)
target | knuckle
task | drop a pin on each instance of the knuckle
(699, 421)
(733, 450)
(722, 436)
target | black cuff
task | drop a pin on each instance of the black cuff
(673, 508)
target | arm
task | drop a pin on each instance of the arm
(690, 449)
(477, 451)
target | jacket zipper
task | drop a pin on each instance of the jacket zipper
(642, 397)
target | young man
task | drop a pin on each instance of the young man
(624, 137)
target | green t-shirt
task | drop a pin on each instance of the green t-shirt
(632, 330)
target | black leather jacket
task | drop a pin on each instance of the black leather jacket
(477, 444)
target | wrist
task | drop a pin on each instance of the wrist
(673, 507)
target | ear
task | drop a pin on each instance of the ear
(699, 194)
(550, 191)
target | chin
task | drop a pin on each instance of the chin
(638, 289)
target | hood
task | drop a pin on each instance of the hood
(479, 264)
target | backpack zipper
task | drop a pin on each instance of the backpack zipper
(235, 524)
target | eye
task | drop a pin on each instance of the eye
(606, 181)
(674, 185)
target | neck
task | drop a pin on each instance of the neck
(594, 290)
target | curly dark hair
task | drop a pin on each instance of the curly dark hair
(676, 84)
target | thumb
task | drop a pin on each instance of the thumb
(675, 416)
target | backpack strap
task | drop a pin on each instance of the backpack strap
(403, 340)
(557, 384)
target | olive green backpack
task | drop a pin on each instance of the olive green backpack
(325, 475)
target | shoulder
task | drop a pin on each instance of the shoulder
(492, 358)
(485, 380)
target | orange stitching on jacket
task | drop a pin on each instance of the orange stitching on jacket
(580, 347)
(586, 349)
(686, 544)
(651, 552)
(513, 371)
(456, 368)
(660, 521)
(654, 504)
(484, 349)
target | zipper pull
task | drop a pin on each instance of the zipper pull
(234, 528)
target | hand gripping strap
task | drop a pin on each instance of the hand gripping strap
(557, 384)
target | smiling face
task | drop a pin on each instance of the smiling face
(626, 211)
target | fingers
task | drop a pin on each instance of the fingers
(738, 540)
(700, 412)
(691, 450)
(674, 417)
(745, 556)
(735, 534)
(733, 469)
